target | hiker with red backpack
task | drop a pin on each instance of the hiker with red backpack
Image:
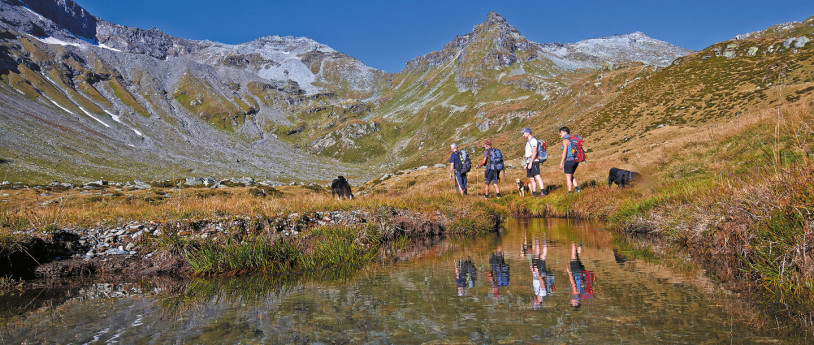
(572, 155)
(582, 281)
(493, 160)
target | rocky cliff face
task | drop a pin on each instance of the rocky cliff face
(65, 14)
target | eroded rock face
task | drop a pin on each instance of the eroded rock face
(345, 136)
(152, 42)
(67, 14)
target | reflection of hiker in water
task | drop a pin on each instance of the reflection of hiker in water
(581, 280)
(465, 275)
(541, 280)
(499, 275)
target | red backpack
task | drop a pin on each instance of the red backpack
(576, 148)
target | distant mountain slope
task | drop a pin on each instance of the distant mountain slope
(482, 84)
(152, 98)
(128, 102)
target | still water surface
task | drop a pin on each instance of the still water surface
(512, 287)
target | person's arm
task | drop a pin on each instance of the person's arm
(482, 163)
(451, 169)
(564, 152)
(533, 155)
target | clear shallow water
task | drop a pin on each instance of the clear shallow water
(419, 301)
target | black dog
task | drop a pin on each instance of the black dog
(340, 188)
(622, 177)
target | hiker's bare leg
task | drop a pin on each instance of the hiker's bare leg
(573, 251)
(486, 189)
(545, 250)
(540, 181)
(497, 188)
(532, 184)
(569, 178)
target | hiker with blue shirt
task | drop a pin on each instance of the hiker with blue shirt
(534, 155)
(572, 155)
(459, 165)
(493, 160)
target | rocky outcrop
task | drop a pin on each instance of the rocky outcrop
(66, 14)
(152, 42)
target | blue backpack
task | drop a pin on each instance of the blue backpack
(542, 155)
(496, 160)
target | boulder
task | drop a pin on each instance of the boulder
(138, 184)
(246, 181)
(194, 181)
(801, 42)
(208, 181)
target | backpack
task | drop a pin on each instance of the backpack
(496, 160)
(576, 148)
(464, 164)
(542, 155)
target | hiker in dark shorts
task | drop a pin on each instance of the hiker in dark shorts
(568, 164)
(532, 164)
(499, 274)
(492, 175)
(460, 178)
(542, 280)
(581, 280)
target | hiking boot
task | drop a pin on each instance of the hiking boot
(498, 195)
(576, 190)
(538, 195)
(543, 193)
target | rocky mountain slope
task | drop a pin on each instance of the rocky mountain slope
(83, 98)
(118, 102)
(482, 84)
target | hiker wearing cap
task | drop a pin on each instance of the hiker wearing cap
(459, 165)
(493, 160)
(532, 163)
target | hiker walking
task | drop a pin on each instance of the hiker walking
(534, 155)
(572, 155)
(459, 165)
(493, 160)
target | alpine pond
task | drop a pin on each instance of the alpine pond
(509, 287)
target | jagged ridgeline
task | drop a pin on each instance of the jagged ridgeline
(83, 98)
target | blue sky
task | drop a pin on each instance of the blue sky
(386, 34)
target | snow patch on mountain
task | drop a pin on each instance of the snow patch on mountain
(54, 40)
(615, 49)
(280, 57)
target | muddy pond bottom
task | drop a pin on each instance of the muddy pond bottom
(537, 281)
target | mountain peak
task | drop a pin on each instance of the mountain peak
(494, 18)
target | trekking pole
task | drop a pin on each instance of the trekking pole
(477, 182)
